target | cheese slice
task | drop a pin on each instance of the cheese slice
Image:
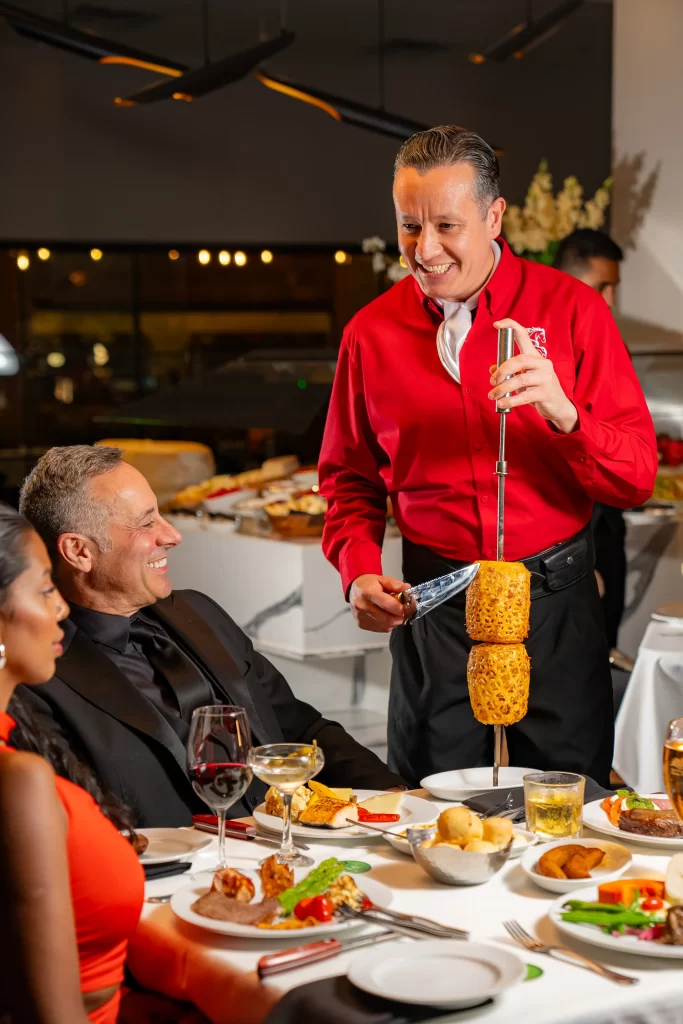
(385, 803)
(333, 794)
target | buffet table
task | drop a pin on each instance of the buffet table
(565, 994)
(653, 697)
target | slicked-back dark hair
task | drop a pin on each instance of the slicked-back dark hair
(450, 144)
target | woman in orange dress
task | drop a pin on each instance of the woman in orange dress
(71, 887)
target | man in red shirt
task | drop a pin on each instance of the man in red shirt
(413, 416)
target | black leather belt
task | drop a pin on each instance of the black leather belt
(551, 570)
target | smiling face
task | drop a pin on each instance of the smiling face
(132, 571)
(443, 233)
(30, 617)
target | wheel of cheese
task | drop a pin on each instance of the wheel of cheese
(168, 466)
(498, 682)
(497, 603)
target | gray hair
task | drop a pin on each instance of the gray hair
(55, 497)
(450, 144)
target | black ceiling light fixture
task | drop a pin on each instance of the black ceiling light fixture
(528, 34)
(90, 45)
(373, 119)
(212, 75)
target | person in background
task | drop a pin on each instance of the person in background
(71, 887)
(139, 657)
(412, 415)
(593, 257)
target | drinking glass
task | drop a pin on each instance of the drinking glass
(553, 802)
(673, 764)
(218, 760)
(286, 766)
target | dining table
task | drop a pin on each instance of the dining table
(563, 994)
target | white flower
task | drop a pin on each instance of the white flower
(396, 272)
(373, 244)
(379, 262)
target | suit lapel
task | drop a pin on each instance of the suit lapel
(95, 678)
(219, 664)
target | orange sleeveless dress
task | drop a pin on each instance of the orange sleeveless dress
(107, 889)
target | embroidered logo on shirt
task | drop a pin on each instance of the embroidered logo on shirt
(537, 336)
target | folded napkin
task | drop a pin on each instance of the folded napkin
(166, 870)
(493, 798)
(336, 1001)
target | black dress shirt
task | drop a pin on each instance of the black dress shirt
(112, 633)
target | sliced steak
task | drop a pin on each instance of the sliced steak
(223, 908)
(660, 824)
(673, 930)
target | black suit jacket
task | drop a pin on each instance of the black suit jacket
(137, 754)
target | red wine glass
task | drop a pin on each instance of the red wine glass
(218, 750)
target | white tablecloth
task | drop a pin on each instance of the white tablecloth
(653, 697)
(563, 995)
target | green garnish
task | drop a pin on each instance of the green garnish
(624, 792)
(356, 867)
(315, 883)
(532, 971)
(639, 801)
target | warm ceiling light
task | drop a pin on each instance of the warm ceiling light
(23, 262)
(100, 354)
(477, 58)
(204, 256)
(43, 254)
(77, 278)
(224, 258)
(56, 359)
(146, 65)
(211, 76)
(266, 256)
(173, 254)
(96, 255)
(340, 256)
(240, 258)
(530, 33)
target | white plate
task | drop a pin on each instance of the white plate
(413, 808)
(615, 862)
(672, 620)
(595, 818)
(589, 933)
(443, 973)
(182, 900)
(468, 782)
(170, 844)
(522, 840)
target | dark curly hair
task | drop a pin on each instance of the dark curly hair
(30, 733)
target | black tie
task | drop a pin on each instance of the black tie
(184, 678)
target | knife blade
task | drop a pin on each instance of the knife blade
(245, 832)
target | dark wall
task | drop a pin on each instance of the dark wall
(247, 165)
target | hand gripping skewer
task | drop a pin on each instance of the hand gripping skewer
(506, 341)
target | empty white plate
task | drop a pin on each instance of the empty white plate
(468, 782)
(444, 973)
(170, 844)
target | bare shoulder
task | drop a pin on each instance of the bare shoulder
(25, 776)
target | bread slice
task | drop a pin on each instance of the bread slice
(324, 812)
(300, 799)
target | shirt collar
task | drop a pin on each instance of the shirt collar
(111, 630)
(497, 293)
(450, 307)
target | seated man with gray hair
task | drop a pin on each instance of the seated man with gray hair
(140, 657)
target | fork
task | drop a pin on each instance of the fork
(565, 954)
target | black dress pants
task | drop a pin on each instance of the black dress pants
(609, 538)
(569, 725)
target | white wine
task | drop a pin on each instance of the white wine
(554, 816)
(673, 774)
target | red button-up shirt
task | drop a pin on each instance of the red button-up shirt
(400, 425)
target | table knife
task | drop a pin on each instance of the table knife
(240, 830)
(302, 956)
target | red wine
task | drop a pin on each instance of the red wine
(220, 785)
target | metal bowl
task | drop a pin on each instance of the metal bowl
(450, 864)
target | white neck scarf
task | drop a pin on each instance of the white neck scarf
(457, 322)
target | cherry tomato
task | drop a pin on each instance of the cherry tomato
(318, 907)
(367, 904)
(652, 903)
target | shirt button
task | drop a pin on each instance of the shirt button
(484, 498)
(467, 391)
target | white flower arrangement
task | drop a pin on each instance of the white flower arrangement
(536, 229)
(394, 270)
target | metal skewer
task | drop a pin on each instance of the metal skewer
(506, 341)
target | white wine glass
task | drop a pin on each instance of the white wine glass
(286, 766)
(673, 765)
(218, 750)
